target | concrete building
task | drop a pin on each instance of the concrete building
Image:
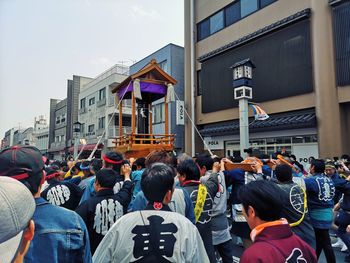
(57, 129)
(8, 139)
(301, 53)
(171, 59)
(41, 134)
(97, 105)
(63, 113)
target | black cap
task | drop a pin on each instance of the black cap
(20, 162)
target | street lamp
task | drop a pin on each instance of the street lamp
(76, 135)
(242, 84)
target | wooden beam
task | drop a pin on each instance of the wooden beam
(166, 131)
(120, 118)
(133, 113)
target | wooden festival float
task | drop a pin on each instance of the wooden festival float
(149, 84)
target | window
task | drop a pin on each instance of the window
(164, 65)
(248, 7)
(203, 30)
(199, 83)
(232, 13)
(264, 3)
(158, 113)
(102, 94)
(62, 138)
(58, 120)
(101, 123)
(82, 128)
(229, 15)
(217, 22)
(82, 103)
(57, 138)
(63, 119)
(92, 101)
(91, 128)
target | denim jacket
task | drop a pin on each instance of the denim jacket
(60, 236)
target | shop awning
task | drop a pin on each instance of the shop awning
(281, 121)
(88, 147)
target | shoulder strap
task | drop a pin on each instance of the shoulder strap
(201, 196)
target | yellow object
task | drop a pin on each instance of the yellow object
(201, 196)
(305, 207)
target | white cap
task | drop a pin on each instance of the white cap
(17, 207)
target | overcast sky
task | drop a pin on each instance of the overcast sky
(44, 42)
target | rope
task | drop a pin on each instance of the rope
(104, 132)
(195, 127)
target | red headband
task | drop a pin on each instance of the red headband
(104, 157)
(20, 176)
(50, 176)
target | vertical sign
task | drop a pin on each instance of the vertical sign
(180, 112)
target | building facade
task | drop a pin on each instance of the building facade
(63, 113)
(41, 134)
(301, 53)
(171, 59)
(97, 107)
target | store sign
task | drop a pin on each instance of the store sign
(180, 112)
(214, 144)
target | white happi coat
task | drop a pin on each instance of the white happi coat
(127, 240)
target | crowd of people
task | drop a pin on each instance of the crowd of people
(166, 208)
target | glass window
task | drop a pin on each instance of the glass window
(203, 29)
(232, 13)
(199, 83)
(101, 123)
(102, 94)
(63, 119)
(58, 120)
(248, 7)
(82, 128)
(164, 66)
(264, 3)
(92, 101)
(91, 127)
(82, 103)
(217, 22)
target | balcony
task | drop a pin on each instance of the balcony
(113, 131)
(101, 102)
(82, 110)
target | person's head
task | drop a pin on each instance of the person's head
(345, 158)
(24, 164)
(158, 156)
(113, 160)
(76, 168)
(17, 207)
(311, 159)
(140, 163)
(283, 173)
(105, 179)
(157, 183)
(52, 174)
(330, 169)
(95, 165)
(205, 162)
(182, 157)
(188, 170)
(85, 167)
(262, 202)
(317, 166)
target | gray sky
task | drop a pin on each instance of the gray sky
(44, 42)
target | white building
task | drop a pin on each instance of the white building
(41, 134)
(97, 105)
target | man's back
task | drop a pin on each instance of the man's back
(278, 244)
(152, 236)
(60, 235)
(296, 213)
